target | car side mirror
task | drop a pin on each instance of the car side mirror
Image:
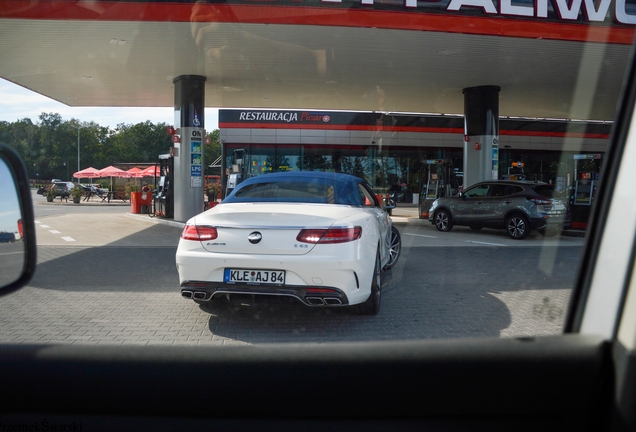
(389, 204)
(17, 227)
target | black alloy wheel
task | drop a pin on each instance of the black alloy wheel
(395, 247)
(372, 305)
(518, 227)
(443, 221)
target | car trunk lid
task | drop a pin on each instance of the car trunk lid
(266, 229)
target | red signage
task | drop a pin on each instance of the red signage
(176, 139)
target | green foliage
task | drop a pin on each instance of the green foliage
(130, 187)
(49, 147)
(213, 190)
(212, 151)
(51, 190)
(77, 191)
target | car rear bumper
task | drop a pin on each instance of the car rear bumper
(310, 296)
(549, 222)
(346, 277)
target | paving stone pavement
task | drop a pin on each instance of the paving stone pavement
(125, 291)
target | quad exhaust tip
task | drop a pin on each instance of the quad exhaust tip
(332, 301)
(326, 301)
(196, 295)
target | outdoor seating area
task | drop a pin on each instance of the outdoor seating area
(115, 192)
(115, 195)
(104, 196)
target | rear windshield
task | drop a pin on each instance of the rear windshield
(546, 191)
(297, 190)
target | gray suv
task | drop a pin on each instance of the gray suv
(517, 206)
(63, 189)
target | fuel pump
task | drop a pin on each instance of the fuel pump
(586, 173)
(515, 172)
(236, 171)
(441, 181)
(164, 189)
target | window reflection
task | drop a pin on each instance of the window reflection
(12, 252)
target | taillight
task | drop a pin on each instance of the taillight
(539, 201)
(329, 235)
(199, 233)
(320, 290)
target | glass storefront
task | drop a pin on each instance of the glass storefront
(395, 169)
(402, 169)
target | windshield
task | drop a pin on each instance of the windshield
(299, 189)
(408, 103)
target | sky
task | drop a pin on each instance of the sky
(17, 103)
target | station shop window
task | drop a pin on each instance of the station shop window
(545, 166)
(381, 167)
(317, 158)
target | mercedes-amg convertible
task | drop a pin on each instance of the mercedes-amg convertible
(321, 238)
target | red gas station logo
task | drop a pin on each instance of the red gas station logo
(312, 118)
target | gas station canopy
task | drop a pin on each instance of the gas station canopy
(363, 55)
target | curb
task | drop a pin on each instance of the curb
(573, 233)
(157, 219)
(92, 204)
(407, 219)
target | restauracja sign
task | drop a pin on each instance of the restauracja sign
(283, 116)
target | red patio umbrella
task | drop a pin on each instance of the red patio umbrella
(112, 171)
(89, 172)
(151, 171)
(135, 172)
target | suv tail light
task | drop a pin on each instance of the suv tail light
(199, 233)
(329, 235)
(539, 201)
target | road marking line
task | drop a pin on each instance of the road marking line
(484, 243)
(37, 221)
(44, 226)
(419, 235)
(68, 239)
(54, 231)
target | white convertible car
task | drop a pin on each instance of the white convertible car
(321, 238)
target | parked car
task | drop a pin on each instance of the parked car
(517, 206)
(7, 237)
(321, 238)
(63, 189)
(93, 189)
(42, 189)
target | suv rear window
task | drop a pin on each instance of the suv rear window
(505, 190)
(545, 190)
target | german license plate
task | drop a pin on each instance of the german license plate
(261, 277)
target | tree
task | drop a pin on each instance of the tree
(49, 147)
(142, 142)
(212, 151)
